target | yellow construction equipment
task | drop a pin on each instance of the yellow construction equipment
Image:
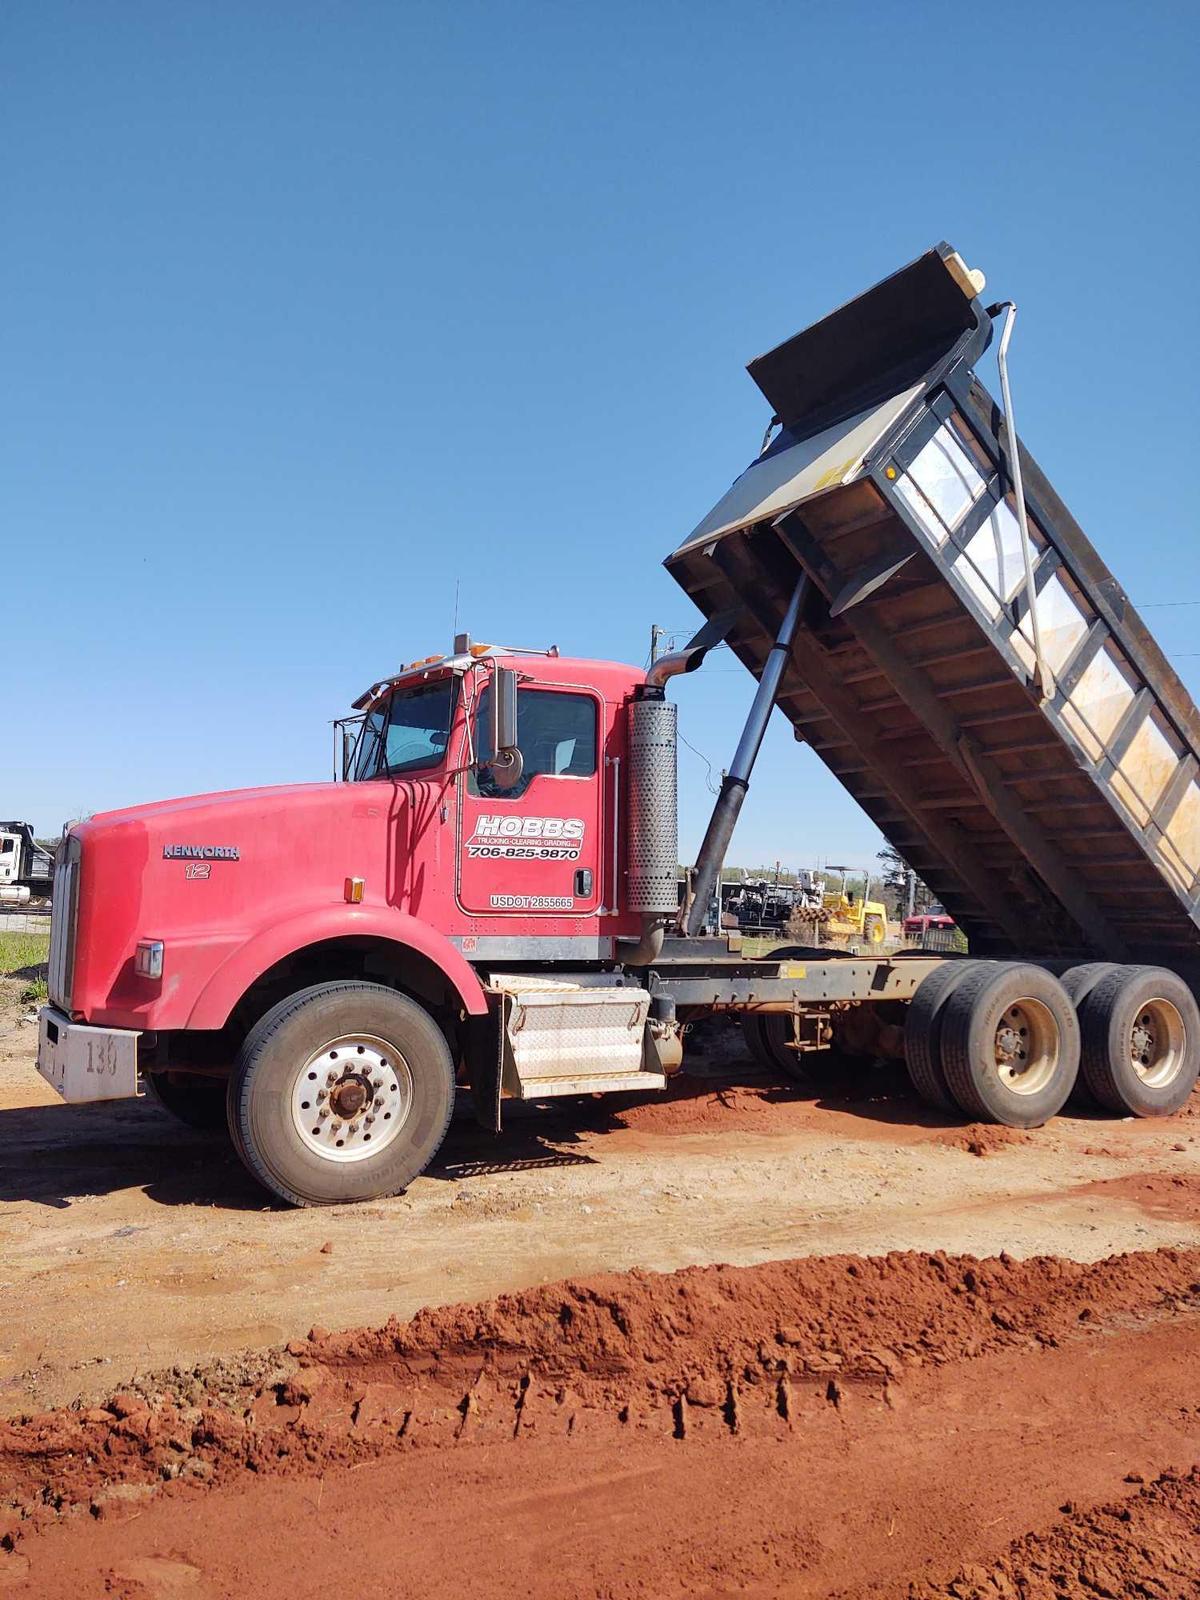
(851, 915)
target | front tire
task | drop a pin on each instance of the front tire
(341, 1092)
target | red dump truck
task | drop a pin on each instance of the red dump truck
(488, 901)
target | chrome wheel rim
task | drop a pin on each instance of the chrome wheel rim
(1027, 1047)
(351, 1098)
(1157, 1043)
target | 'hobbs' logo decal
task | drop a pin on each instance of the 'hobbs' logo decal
(526, 838)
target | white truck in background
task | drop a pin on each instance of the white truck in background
(26, 867)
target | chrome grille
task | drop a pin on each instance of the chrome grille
(62, 923)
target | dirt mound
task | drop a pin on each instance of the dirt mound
(878, 1107)
(843, 1313)
(1148, 1545)
(687, 1107)
(982, 1138)
(739, 1342)
(637, 1435)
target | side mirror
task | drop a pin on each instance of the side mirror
(506, 763)
(349, 740)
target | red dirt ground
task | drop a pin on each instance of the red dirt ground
(1159, 1194)
(1145, 1545)
(910, 1424)
(777, 1110)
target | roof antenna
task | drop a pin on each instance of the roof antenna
(454, 629)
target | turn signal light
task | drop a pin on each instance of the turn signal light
(353, 890)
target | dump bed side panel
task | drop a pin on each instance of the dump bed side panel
(1057, 827)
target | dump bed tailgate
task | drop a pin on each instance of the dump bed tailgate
(1054, 814)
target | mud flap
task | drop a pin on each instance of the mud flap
(485, 1046)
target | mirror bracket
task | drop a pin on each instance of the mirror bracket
(506, 763)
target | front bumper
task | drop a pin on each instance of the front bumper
(83, 1063)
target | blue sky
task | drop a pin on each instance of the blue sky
(313, 311)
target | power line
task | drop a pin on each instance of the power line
(710, 782)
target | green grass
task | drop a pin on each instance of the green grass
(24, 955)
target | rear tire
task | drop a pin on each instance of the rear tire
(874, 930)
(1079, 983)
(1141, 1041)
(767, 1033)
(757, 1043)
(923, 1033)
(1010, 1044)
(767, 1037)
(341, 1092)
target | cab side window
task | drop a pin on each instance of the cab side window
(558, 739)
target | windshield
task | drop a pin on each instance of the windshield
(407, 733)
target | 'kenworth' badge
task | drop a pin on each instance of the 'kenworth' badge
(200, 852)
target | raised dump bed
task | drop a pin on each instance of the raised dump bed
(1051, 799)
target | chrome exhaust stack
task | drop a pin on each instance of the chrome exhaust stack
(652, 796)
(652, 807)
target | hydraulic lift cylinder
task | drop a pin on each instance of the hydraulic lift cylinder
(737, 780)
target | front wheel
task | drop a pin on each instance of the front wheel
(341, 1092)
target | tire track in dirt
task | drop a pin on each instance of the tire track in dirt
(800, 1427)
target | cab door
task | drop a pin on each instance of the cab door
(535, 850)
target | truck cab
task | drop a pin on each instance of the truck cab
(467, 875)
(530, 851)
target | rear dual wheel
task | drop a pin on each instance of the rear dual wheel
(1008, 1043)
(998, 1040)
(1141, 1041)
(923, 1033)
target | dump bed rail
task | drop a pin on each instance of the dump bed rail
(1055, 815)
